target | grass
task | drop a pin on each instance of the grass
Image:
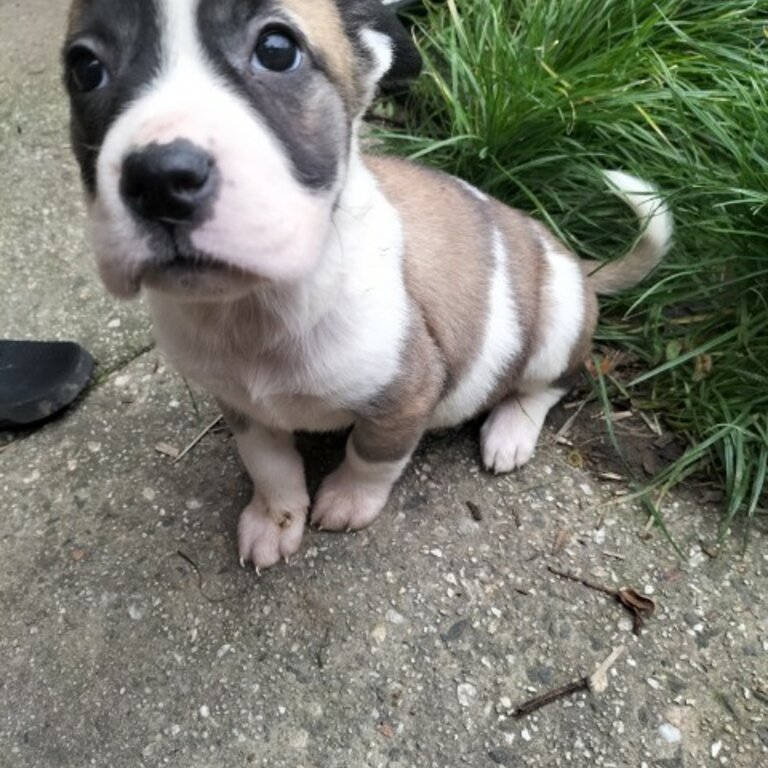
(530, 99)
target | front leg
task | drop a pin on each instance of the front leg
(272, 525)
(382, 442)
(352, 496)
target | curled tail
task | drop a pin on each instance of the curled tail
(656, 221)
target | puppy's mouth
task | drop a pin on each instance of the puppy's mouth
(178, 267)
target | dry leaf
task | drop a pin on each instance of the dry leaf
(703, 367)
(641, 606)
(607, 364)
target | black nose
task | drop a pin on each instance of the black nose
(172, 183)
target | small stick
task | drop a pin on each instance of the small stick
(597, 587)
(597, 682)
(197, 440)
(547, 698)
(187, 559)
(200, 584)
(639, 606)
(566, 428)
(652, 424)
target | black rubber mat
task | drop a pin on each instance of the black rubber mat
(39, 378)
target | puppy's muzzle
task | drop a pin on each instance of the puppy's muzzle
(172, 183)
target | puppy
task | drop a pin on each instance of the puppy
(307, 285)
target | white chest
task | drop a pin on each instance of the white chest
(321, 349)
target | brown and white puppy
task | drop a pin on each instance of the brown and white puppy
(306, 285)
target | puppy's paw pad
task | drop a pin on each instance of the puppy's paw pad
(508, 440)
(346, 506)
(266, 536)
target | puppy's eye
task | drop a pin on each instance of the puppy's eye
(86, 72)
(276, 51)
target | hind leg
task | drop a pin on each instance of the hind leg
(508, 437)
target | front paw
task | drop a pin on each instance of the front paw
(267, 534)
(346, 504)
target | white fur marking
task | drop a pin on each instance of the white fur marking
(179, 34)
(380, 47)
(562, 317)
(474, 191)
(503, 340)
(645, 201)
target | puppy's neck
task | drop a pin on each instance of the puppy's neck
(352, 241)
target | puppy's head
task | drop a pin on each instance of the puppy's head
(213, 136)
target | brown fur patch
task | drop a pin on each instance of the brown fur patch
(583, 346)
(323, 26)
(448, 260)
(527, 269)
(392, 427)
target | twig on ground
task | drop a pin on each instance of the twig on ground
(651, 423)
(566, 428)
(166, 449)
(547, 698)
(200, 585)
(597, 682)
(585, 582)
(638, 605)
(194, 443)
(196, 568)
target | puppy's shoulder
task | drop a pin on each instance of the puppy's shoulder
(407, 184)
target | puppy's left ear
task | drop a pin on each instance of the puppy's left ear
(387, 54)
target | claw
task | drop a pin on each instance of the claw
(242, 562)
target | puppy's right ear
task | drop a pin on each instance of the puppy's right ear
(383, 45)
